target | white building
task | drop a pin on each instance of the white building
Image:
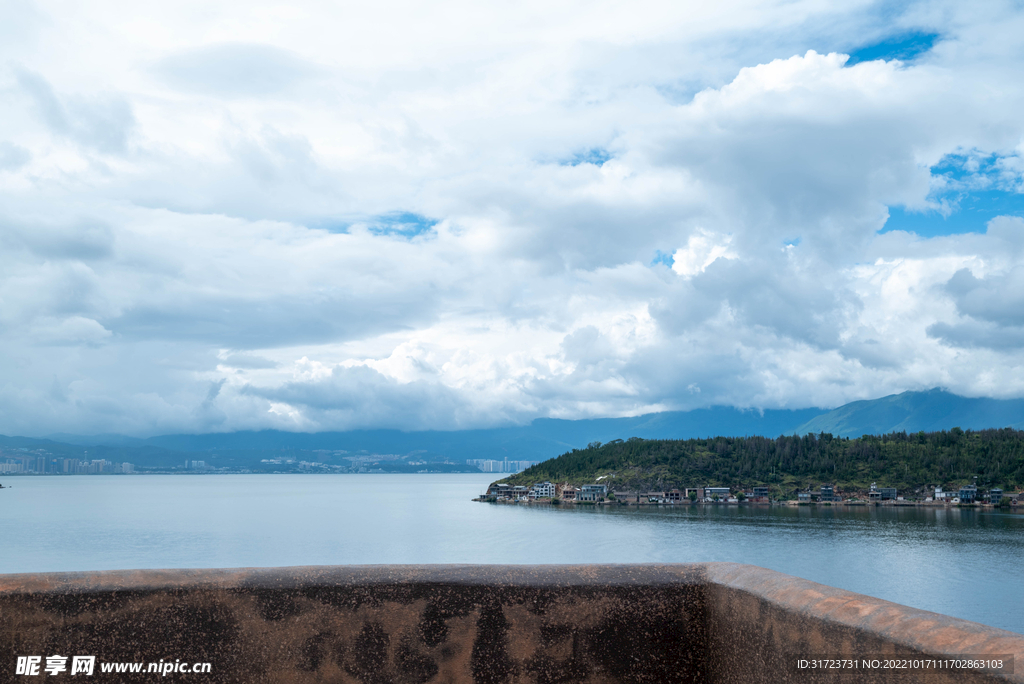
(542, 490)
(504, 466)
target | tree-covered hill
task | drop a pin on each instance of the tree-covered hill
(788, 463)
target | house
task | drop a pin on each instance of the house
(828, 493)
(542, 490)
(499, 490)
(887, 493)
(711, 492)
(759, 494)
(968, 494)
(803, 497)
(995, 496)
(566, 492)
(674, 496)
(520, 493)
(593, 492)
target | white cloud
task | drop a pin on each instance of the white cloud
(235, 70)
(221, 217)
(74, 330)
(702, 249)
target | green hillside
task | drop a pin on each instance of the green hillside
(788, 463)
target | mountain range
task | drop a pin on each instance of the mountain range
(544, 438)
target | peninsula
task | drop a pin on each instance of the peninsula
(919, 466)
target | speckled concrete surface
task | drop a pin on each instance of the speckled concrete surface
(762, 619)
(590, 623)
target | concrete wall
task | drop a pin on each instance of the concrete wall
(717, 622)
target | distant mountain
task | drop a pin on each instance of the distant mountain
(545, 438)
(542, 439)
(538, 441)
(94, 440)
(142, 454)
(915, 412)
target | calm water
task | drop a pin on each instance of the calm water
(958, 562)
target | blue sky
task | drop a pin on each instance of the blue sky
(970, 213)
(969, 190)
(905, 47)
(218, 216)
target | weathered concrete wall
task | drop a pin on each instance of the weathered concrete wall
(717, 622)
(763, 618)
(371, 624)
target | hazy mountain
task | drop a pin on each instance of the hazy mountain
(543, 438)
(86, 449)
(94, 440)
(546, 438)
(916, 411)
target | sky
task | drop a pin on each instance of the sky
(221, 216)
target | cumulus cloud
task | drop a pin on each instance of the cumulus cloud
(13, 157)
(997, 299)
(316, 218)
(84, 239)
(103, 121)
(979, 334)
(70, 331)
(233, 70)
(702, 249)
(356, 396)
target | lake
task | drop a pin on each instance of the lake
(961, 562)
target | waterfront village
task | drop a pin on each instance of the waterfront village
(42, 461)
(826, 494)
(23, 461)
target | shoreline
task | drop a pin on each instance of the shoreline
(788, 504)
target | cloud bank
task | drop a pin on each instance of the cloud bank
(240, 216)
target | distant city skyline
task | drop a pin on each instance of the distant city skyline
(226, 216)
